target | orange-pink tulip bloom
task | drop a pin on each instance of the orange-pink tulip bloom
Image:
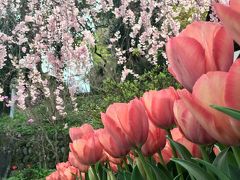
(77, 132)
(166, 154)
(64, 172)
(159, 106)
(230, 16)
(218, 88)
(200, 48)
(155, 142)
(53, 176)
(88, 149)
(113, 139)
(133, 120)
(189, 125)
(180, 138)
(74, 161)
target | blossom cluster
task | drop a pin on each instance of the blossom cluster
(150, 24)
(49, 31)
(61, 33)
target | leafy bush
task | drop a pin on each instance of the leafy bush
(44, 138)
(30, 173)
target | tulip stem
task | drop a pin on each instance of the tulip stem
(161, 159)
(145, 166)
(179, 170)
(94, 172)
(119, 167)
(204, 153)
(125, 164)
(236, 153)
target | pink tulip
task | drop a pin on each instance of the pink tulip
(155, 142)
(200, 48)
(229, 16)
(53, 176)
(114, 167)
(114, 160)
(166, 154)
(232, 98)
(189, 126)
(77, 132)
(112, 138)
(74, 161)
(159, 106)
(64, 171)
(88, 149)
(219, 88)
(132, 119)
(179, 137)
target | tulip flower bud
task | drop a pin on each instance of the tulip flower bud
(77, 132)
(155, 142)
(130, 118)
(159, 106)
(189, 125)
(88, 149)
(198, 49)
(74, 161)
(112, 138)
(229, 16)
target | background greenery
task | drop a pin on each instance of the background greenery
(37, 147)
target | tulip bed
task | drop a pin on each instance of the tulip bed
(191, 133)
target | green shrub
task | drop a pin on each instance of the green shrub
(30, 173)
(44, 143)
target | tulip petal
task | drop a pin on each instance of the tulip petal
(112, 111)
(215, 123)
(223, 50)
(112, 138)
(210, 87)
(216, 93)
(114, 130)
(162, 113)
(230, 19)
(235, 5)
(187, 64)
(147, 99)
(88, 149)
(232, 91)
(77, 132)
(136, 125)
(178, 137)
(155, 142)
(75, 162)
(207, 34)
(189, 126)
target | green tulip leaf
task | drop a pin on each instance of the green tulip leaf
(101, 171)
(160, 172)
(177, 177)
(219, 173)
(124, 175)
(229, 111)
(110, 176)
(136, 175)
(193, 169)
(182, 150)
(221, 161)
(234, 172)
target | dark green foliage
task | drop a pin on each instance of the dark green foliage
(30, 173)
(43, 143)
